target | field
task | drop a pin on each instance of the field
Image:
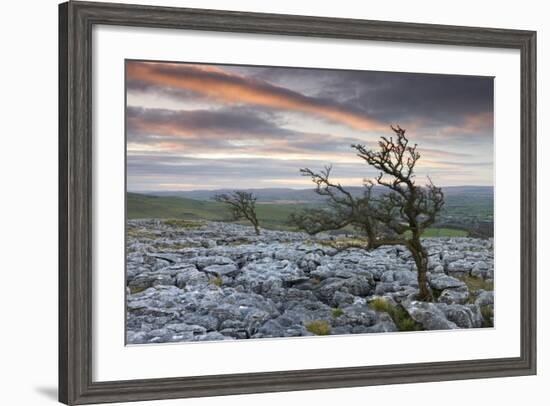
(468, 203)
(271, 215)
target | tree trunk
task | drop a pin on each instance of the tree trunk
(420, 256)
(256, 225)
(371, 237)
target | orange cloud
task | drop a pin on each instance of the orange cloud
(217, 84)
(480, 121)
(473, 124)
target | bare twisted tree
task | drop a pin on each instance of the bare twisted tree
(242, 205)
(343, 209)
(398, 217)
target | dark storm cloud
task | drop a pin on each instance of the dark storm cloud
(393, 96)
(434, 99)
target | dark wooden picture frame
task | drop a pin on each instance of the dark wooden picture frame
(76, 20)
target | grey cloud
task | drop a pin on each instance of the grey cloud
(245, 121)
(391, 96)
(437, 102)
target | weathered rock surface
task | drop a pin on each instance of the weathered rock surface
(457, 295)
(220, 281)
(429, 315)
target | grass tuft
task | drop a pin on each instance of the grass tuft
(402, 319)
(140, 233)
(179, 223)
(217, 281)
(337, 312)
(318, 327)
(343, 243)
(474, 283)
(488, 313)
(178, 246)
(380, 305)
(136, 289)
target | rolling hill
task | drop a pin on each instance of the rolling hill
(464, 206)
(272, 215)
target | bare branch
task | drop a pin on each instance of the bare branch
(399, 216)
(241, 204)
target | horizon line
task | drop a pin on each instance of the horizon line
(271, 188)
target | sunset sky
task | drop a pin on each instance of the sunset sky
(193, 126)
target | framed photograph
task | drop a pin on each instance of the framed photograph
(259, 202)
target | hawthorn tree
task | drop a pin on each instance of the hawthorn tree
(397, 215)
(242, 205)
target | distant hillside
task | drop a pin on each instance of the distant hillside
(466, 207)
(165, 207)
(263, 195)
(463, 204)
(308, 195)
